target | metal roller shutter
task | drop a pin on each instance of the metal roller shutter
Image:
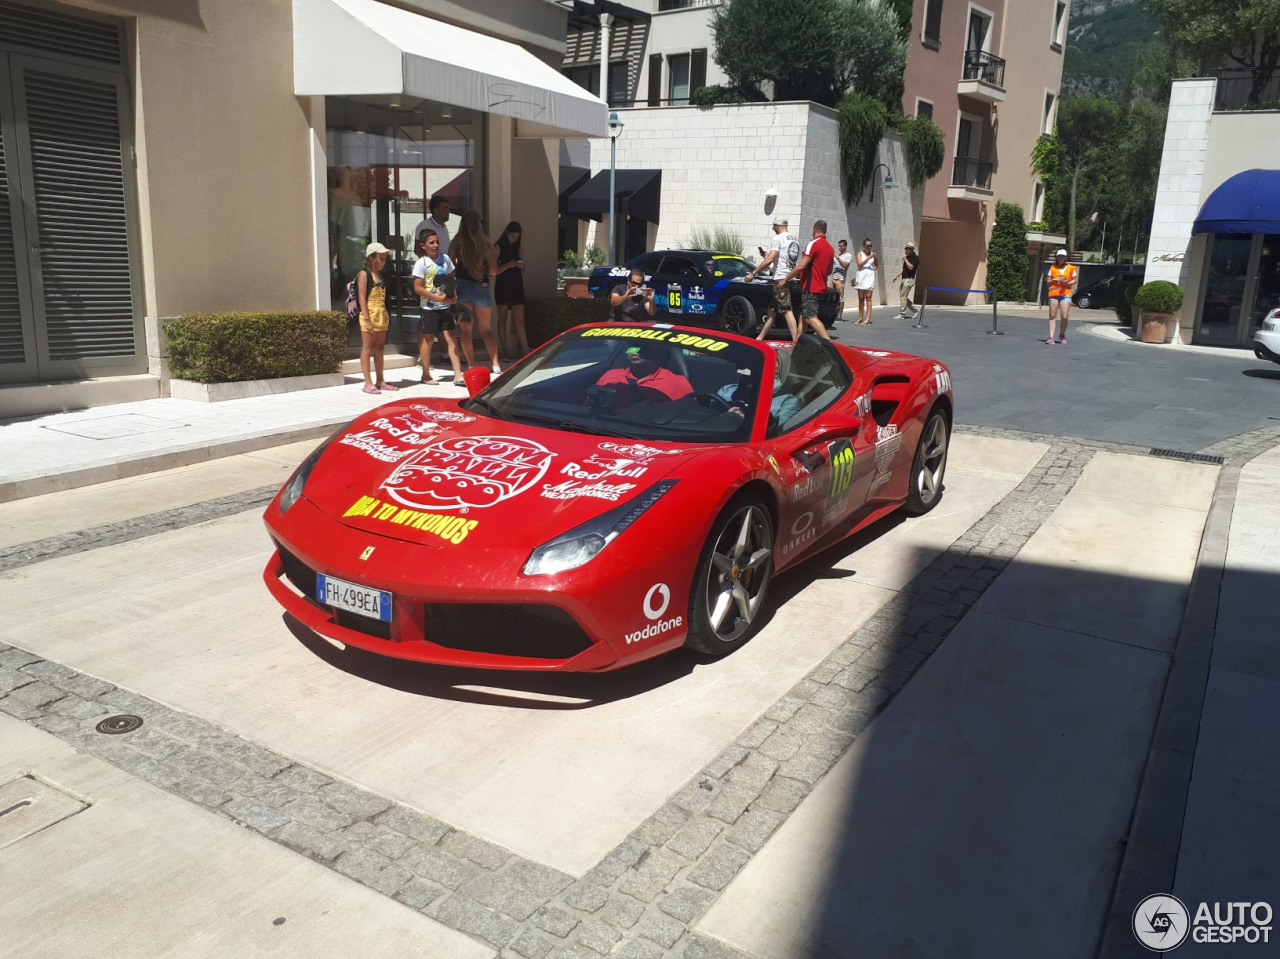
(12, 349)
(78, 173)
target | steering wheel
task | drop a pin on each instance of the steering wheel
(713, 400)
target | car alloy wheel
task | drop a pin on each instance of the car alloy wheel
(739, 316)
(733, 581)
(929, 466)
(1085, 303)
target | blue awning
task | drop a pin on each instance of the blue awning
(1247, 203)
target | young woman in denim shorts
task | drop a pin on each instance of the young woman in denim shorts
(476, 265)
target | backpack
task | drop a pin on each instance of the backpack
(353, 297)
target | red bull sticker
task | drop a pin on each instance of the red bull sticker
(391, 439)
(468, 472)
(452, 529)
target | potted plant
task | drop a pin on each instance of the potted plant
(576, 268)
(1157, 301)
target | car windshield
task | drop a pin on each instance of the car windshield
(638, 382)
(728, 266)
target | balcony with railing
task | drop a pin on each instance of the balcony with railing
(666, 5)
(1245, 88)
(983, 77)
(970, 179)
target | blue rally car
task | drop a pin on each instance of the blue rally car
(706, 288)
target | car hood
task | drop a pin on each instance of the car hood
(430, 472)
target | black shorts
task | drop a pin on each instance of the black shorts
(435, 322)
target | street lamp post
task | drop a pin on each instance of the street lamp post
(615, 131)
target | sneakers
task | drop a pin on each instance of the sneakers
(1062, 341)
(1050, 341)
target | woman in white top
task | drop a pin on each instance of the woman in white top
(840, 270)
(867, 262)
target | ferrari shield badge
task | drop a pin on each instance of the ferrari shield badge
(368, 551)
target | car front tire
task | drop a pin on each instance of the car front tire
(734, 572)
(1085, 303)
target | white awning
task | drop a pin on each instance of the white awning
(362, 47)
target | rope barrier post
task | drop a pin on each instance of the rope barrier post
(924, 301)
(994, 319)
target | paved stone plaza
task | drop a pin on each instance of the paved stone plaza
(940, 713)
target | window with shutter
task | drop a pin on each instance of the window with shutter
(655, 80)
(698, 71)
(933, 23)
(13, 339)
(81, 211)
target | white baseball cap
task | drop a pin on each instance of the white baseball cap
(780, 221)
(374, 247)
(1061, 253)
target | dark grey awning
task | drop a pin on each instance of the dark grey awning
(640, 190)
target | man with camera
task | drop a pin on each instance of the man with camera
(633, 301)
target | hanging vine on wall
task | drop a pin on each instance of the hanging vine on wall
(924, 148)
(863, 122)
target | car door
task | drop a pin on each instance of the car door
(821, 451)
(677, 274)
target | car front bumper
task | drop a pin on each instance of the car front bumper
(1266, 345)
(454, 614)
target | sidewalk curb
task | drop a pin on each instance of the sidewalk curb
(1150, 858)
(25, 487)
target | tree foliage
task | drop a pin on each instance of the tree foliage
(924, 147)
(1245, 33)
(863, 122)
(812, 49)
(1007, 263)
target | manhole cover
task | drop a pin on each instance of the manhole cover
(114, 725)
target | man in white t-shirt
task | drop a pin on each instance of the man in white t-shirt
(438, 301)
(439, 209)
(783, 254)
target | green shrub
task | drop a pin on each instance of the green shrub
(233, 347)
(1159, 296)
(863, 121)
(710, 96)
(547, 318)
(1124, 301)
(718, 240)
(924, 147)
(1007, 262)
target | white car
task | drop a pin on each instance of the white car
(1266, 342)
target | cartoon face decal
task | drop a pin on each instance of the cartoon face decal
(468, 472)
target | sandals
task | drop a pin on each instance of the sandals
(428, 381)
(387, 388)
(371, 390)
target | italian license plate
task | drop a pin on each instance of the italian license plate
(374, 603)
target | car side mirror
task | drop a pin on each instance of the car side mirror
(477, 379)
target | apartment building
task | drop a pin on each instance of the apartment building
(168, 157)
(989, 76)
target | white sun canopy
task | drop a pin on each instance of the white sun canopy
(362, 47)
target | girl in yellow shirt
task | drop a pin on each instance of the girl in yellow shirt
(374, 318)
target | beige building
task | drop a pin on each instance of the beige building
(168, 157)
(989, 75)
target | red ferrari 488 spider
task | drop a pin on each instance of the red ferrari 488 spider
(625, 490)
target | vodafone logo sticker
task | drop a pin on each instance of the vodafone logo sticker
(656, 601)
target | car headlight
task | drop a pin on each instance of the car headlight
(1270, 325)
(580, 546)
(292, 491)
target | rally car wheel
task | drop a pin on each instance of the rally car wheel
(739, 316)
(929, 465)
(733, 578)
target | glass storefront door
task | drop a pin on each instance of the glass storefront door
(386, 161)
(1223, 307)
(1267, 282)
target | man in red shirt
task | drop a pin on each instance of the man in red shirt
(645, 379)
(814, 270)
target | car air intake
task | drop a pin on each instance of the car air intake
(303, 578)
(533, 631)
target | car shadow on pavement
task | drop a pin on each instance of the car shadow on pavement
(1263, 374)
(495, 687)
